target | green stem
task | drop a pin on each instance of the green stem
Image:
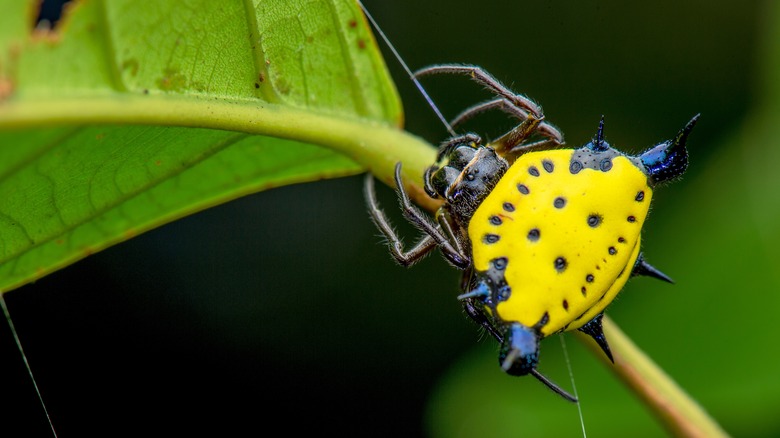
(374, 144)
(673, 407)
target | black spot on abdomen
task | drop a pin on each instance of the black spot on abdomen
(491, 238)
(560, 264)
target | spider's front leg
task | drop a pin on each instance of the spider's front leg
(394, 243)
(519, 139)
(481, 76)
(446, 148)
(433, 233)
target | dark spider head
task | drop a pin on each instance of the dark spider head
(470, 173)
(519, 353)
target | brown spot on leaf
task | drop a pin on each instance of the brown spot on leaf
(130, 65)
(282, 86)
(6, 88)
(172, 80)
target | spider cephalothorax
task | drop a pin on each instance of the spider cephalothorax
(470, 173)
(546, 236)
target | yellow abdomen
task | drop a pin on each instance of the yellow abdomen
(565, 237)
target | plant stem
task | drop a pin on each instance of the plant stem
(673, 407)
(376, 145)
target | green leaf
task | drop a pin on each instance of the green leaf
(130, 115)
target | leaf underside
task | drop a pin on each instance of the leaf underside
(129, 115)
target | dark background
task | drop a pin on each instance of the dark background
(283, 311)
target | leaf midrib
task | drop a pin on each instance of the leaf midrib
(374, 144)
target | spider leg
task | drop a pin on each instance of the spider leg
(423, 223)
(524, 109)
(479, 108)
(474, 310)
(549, 131)
(529, 125)
(405, 258)
(481, 76)
(447, 147)
(446, 223)
(517, 135)
(428, 184)
(554, 387)
(450, 247)
(541, 145)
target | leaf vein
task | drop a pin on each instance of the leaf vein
(354, 85)
(130, 195)
(264, 91)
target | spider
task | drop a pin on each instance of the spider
(546, 236)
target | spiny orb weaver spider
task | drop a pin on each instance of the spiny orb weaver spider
(546, 236)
